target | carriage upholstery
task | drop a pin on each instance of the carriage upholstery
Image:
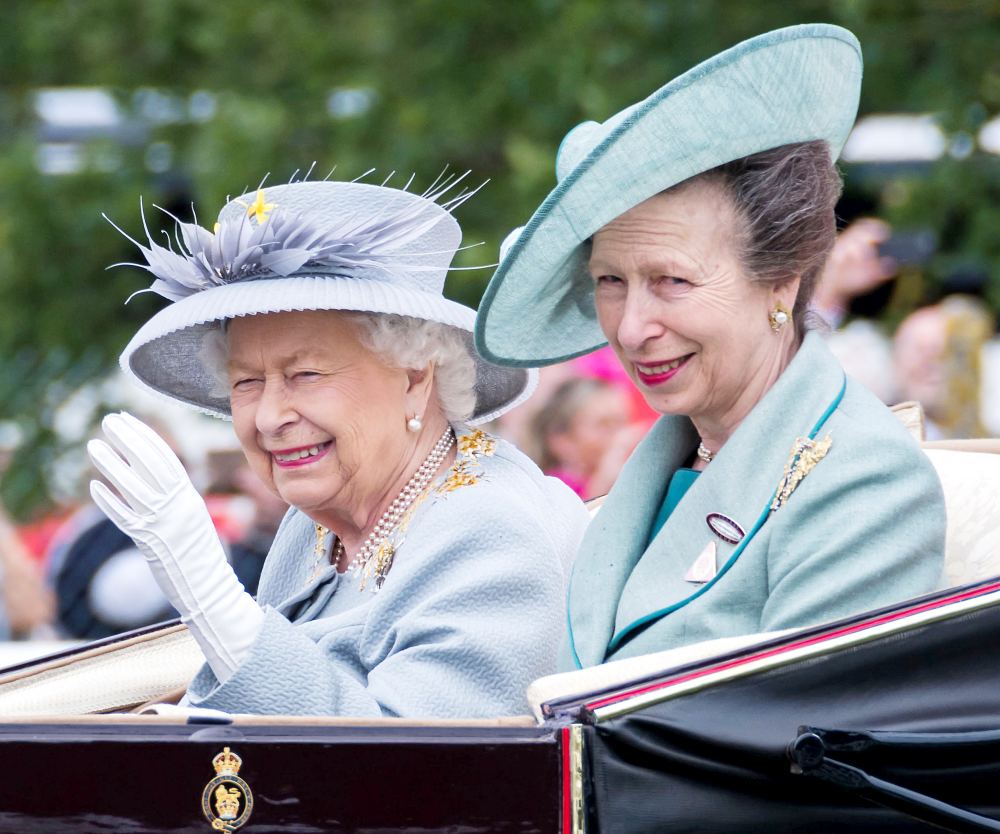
(970, 477)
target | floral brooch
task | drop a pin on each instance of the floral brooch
(465, 471)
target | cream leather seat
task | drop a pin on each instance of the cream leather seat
(970, 476)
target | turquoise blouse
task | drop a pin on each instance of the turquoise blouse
(680, 483)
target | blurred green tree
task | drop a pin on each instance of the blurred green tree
(214, 95)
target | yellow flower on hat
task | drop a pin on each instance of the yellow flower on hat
(259, 208)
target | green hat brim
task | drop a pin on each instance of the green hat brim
(797, 84)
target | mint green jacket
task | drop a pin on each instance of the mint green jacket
(865, 528)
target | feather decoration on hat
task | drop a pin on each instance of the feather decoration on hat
(267, 242)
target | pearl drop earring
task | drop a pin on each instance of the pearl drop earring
(414, 424)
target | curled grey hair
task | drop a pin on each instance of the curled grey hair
(406, 342)
(786, 198)
(400, 341)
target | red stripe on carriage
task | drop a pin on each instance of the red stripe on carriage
(567, 782)
(732, 664)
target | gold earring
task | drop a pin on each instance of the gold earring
(778, 317)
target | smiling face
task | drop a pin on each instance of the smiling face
(321, 419)
(680, 311)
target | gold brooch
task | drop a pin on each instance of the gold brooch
(459, 476)
(477, 442)
(806, 453)
(227, 801)
(463, 472)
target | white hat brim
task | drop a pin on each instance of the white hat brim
(167, 355)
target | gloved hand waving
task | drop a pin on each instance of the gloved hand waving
(161, 511)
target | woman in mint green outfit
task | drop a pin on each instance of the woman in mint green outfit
(688, 232)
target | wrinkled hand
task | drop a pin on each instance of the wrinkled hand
(159, 508)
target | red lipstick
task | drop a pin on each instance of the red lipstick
(657, 373)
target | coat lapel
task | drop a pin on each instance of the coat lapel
(733, 485)
(616, 538)
(738, 483)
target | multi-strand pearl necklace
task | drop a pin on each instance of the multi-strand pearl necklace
(400, 504)
(705, 453)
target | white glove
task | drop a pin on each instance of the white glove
(163, 513)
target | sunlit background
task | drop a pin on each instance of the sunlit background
(184, 102)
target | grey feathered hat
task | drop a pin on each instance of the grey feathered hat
(304, 246)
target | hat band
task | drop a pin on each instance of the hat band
(387, 276)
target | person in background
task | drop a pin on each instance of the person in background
(514, 425)
(604, 365)
(524, 425)
(578, 430)
(938, 355)
(854, 267)
(26, 604)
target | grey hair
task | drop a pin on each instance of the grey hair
(785, 197)
(411, 343)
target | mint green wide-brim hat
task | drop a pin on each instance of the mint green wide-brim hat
(796, 84)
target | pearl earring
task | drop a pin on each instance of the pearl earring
(414, 424)
(778, 317)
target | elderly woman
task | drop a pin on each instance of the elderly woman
(419, 572)
(688, 232)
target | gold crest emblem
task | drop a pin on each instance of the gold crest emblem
(805, 454)
(227, 801)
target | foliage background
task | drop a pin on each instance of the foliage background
(489, 86)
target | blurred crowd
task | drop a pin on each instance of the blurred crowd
(74, 576)
(942, 352)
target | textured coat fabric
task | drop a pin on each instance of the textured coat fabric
(470, 613)
(865, 528)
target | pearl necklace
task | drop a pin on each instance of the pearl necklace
(705, 453)
(385, 526)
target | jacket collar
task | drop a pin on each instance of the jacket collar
(616, 579)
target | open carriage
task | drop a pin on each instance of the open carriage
(888, 721)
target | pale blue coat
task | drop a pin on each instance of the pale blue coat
(471, 612)
(864, 529)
